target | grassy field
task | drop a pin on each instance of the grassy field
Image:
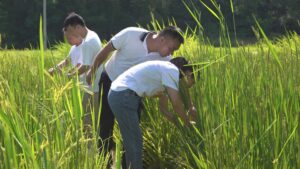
(247, 97)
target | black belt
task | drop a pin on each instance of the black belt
(133, 92)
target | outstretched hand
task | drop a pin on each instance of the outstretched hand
(51, 71)
(192, 116)
(192, 113)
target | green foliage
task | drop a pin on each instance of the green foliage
(107, 17)
(41, 130)
(247, 99)
(248, 112)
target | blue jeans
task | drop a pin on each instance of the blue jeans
(125, 104)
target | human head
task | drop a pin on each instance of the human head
(170, 39)
(72, 27)
(186, 70)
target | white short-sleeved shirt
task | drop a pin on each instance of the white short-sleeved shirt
(130, 50)
(75, 55)
(148, 78)
(85, 54)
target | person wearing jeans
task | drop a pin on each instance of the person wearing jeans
(129, 47)
(152, 78)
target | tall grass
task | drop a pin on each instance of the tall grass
(41, 116)
(248, 103)
(248, 111)
(247, 99)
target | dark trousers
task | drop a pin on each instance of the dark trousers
(107, 118)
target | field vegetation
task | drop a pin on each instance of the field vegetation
(247, 97)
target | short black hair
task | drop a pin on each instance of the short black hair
(73, 19)
(173, 32)
(182, 64)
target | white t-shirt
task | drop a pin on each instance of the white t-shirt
(130, 50)
(85, 54)
(148, 78)
(75, 55)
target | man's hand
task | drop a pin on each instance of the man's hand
(192, 113)
(51, 71)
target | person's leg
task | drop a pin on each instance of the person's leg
(125, 107)
(106, 142)
(140, 109)
(96, 103)
(90, 104)
(87, 120)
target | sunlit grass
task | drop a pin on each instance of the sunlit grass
(247, 99)
(248, 111)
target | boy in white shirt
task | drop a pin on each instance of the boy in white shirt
(148, 79)
(86, 45)
(130, 46)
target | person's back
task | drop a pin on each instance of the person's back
(131, 49)
(148, 79)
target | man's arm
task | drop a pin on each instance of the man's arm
(185, 94)
(79, 69)
(100, 58)
(187, 99)
(59, 66)
(178, 105)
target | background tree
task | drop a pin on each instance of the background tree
(19, 18)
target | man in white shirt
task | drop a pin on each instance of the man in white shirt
(130, 46)
(85, 46)
(148, 79)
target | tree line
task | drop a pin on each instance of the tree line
(19, 18)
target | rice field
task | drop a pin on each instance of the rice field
(247, 97)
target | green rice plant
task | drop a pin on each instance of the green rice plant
(248, 107)
(247, 98)
(41, 127)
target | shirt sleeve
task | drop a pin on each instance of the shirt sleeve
(170, 78)
(119, 39)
